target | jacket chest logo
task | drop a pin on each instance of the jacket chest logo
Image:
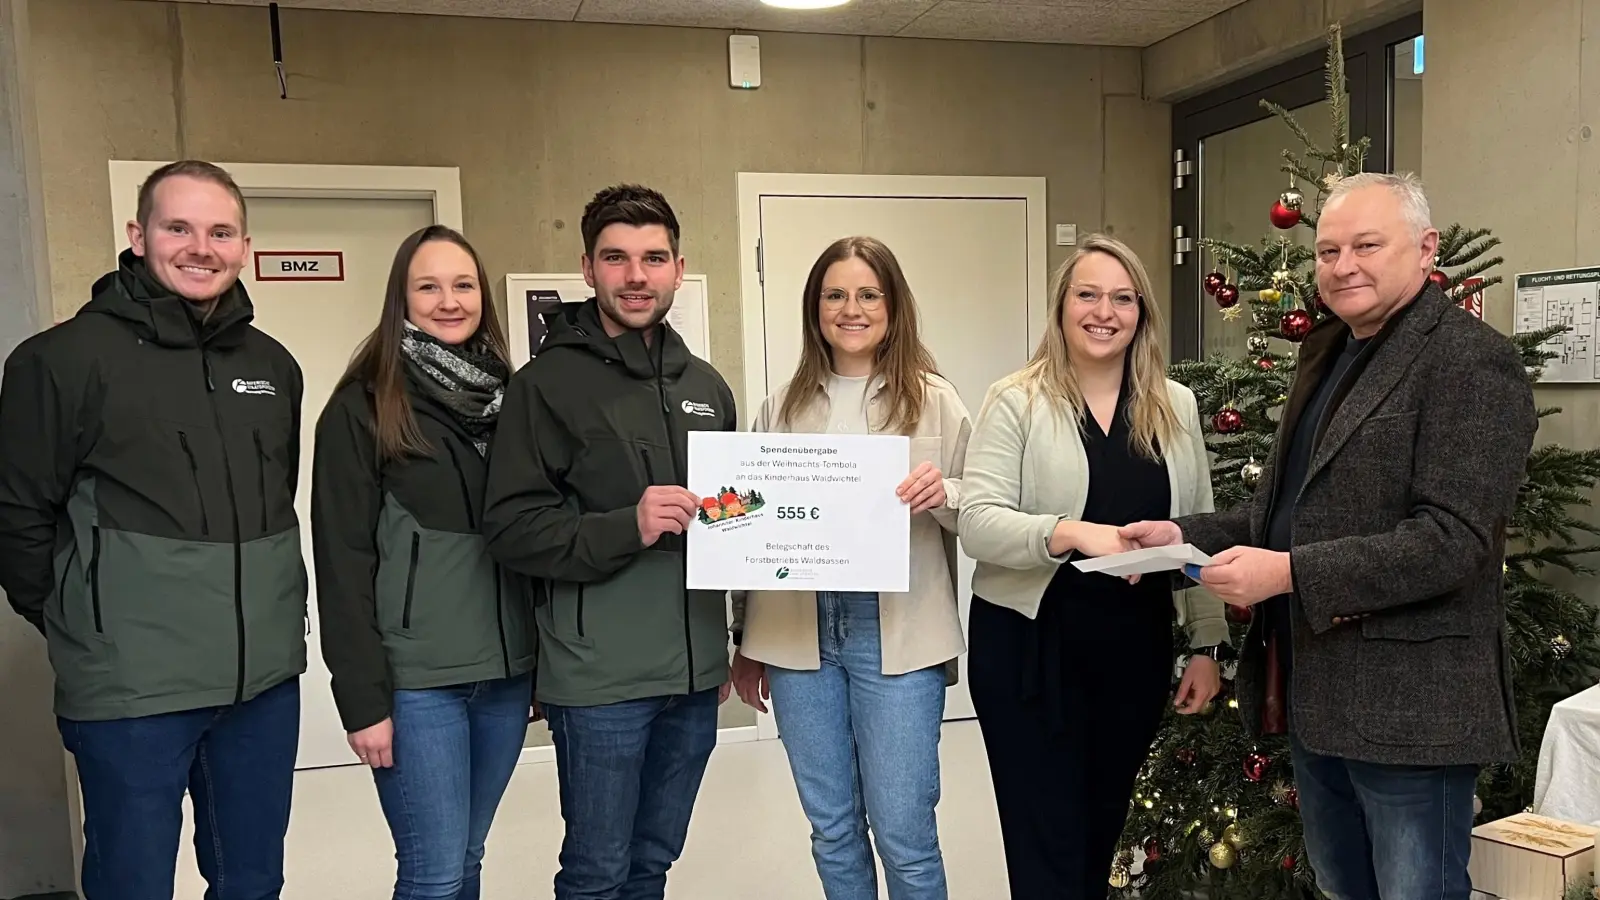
(698, 409)
(258, 386)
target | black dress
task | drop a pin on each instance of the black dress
(1069, 702)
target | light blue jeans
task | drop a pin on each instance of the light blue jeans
(454, 751)
(864, 748)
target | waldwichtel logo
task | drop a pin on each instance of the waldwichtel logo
(698, 409)
(241, 386)
(729, 504)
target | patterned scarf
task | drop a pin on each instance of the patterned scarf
(467, 380)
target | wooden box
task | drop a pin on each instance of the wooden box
(1530, 857)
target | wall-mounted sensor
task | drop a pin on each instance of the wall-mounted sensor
(744, 61)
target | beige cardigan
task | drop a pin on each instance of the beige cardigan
(1027, 470)
(919, 628)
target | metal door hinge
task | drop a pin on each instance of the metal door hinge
(1181, 169)
(761, 273)
(1181, 246)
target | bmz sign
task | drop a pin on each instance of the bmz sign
(300, 265)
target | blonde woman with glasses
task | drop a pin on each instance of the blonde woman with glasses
(1070, 670)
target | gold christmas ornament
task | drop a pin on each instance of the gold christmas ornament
(1271, 295)
(1223, 855)
(1560, 646)
(1250, 473)
(1206, 837)
(1120, 875)
(1233, 836)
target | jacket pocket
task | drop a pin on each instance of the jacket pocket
(411, 581)
(94, 581)
(1415, 679)
(261, 478)
(194, 473)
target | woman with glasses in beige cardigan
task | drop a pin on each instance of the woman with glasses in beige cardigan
(857, 680)
(1070, 671)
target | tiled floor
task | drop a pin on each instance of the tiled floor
(748, 838)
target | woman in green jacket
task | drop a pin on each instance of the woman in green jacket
(426, 638)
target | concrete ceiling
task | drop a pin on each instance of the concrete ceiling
(1130, 23)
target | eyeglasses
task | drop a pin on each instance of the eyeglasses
(866, 298)
(1119, 299)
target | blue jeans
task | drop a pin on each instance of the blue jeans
(1385, 832)
(454, 751)
(864, 748)
(236, 762)
(629, 773)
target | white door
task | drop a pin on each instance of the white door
(968, 262)
(321, 322)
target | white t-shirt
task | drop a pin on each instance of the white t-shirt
(847, 405)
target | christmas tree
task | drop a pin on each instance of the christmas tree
(1216, 811)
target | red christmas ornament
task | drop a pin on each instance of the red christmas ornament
(1255, 766)
(1288, 863)
(1265, 364)
(1228, 421)
(1214, 282)
(1295, 325)
(1291, 798)
(1152, 850)
(1239, 615)
(1283, 217)
(1439, 278)
(1186, 755)
(1227, 295)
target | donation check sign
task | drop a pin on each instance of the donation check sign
(799, 512)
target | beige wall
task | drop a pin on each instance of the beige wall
(539, 115)
(1508, 143)
(1255, 35)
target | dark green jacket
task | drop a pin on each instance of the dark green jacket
(147, 480)
(407, 595)
(586, 427)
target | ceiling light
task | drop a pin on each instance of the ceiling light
(805, 4)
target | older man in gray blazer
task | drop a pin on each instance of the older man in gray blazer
(1375, 544)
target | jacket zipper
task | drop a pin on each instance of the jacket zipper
(94, 580)
(461, 479)
(411, 579)
(472, 522)
(261, 479)
(677, 478)
(580, 609)
(194, 470)
(233, 508)
(500, 619)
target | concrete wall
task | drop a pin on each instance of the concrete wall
(37, 825)
(538, 115)
(1511, 104)
(1253, 36)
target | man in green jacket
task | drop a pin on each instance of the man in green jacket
(586, 493)
(149, 448)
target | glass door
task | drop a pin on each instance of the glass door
(1227, 158)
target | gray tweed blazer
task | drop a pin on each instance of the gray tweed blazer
(1400, 653)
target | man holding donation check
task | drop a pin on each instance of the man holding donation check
(1375, 545)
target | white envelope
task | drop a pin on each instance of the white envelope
(1142, 562)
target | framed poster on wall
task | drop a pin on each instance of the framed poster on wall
(529, 297)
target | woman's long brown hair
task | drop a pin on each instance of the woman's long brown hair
(902, 361)
(379, 363)
(1152, 424)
